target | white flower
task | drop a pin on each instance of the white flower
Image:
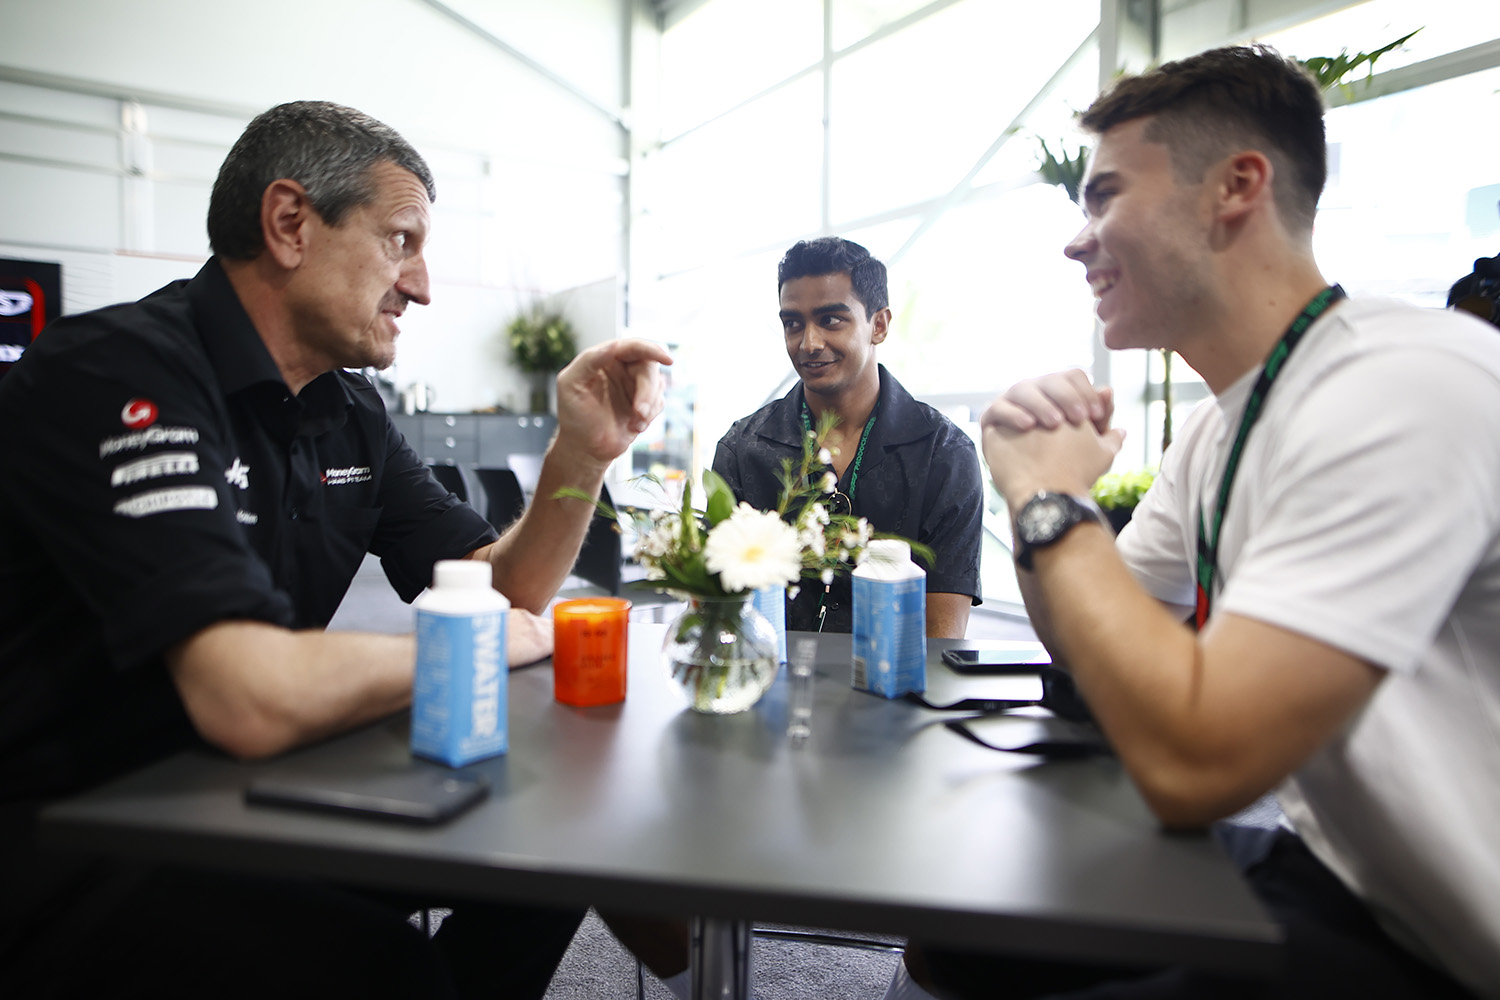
(830, 482)
(827, 576)
(812, 539)
(753, 549)
(819, 514)
(826, 457)
(792, 592)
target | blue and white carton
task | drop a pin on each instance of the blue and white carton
(890, 621)
(459, 705)
(771, 602)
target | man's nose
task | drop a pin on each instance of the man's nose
(812, 339)
(1081, 245)
(413, 281)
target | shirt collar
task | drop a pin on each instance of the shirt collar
(902, 419)
(240, 359)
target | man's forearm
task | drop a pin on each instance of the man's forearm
(534, 557)
(255, 689)
(1205, 723)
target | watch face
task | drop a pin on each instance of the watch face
(1044, 519)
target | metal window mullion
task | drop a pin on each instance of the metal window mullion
(825, 194)
(829, 57)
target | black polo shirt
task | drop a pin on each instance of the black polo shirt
(919, 479)
(161, 477)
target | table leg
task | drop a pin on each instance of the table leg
(719, 959)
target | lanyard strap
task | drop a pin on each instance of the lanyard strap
(1208, 544)
(858, 455)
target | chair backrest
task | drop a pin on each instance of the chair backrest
(451, 478)
(504, 500)
(600, 558)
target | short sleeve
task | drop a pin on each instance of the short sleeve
(1378, 506)
(1154, 544)
(120, 479)
(953, 519)
(420, 521)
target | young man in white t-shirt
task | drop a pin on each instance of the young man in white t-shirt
(1332, 630)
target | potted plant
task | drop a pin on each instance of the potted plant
(1117, 494)
(542, 344)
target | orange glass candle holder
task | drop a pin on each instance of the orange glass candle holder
(589, 650)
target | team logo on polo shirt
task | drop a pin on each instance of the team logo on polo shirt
(161, 501)
(138, 414)
(344, 477)
(238, 474)
(163, 463)
(148, 438)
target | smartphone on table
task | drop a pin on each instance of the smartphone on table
(420, 795)
(1020, 658)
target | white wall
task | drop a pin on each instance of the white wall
(530, 177)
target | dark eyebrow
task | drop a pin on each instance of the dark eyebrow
(1091, 189)
(835, 307)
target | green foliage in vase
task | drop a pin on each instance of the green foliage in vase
(727, 550)
(541, 342)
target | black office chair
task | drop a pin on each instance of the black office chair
(504, 499)
(600, 558)
(451, 478)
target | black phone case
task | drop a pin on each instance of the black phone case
(420, 796)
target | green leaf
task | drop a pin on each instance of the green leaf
(573, 493)
(720, 497)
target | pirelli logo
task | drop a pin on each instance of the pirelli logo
(166, 463)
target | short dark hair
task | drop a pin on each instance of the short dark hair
(327, 148)
(832, 255)
(1213, 104)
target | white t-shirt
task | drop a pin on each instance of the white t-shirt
(1366, 515)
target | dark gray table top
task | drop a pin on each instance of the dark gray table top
(882, 821)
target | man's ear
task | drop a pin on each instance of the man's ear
(1245, 183)
(880, 325)
(284, 215)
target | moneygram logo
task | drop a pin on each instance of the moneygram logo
(347, 476)
(138, 414)
(148, 438)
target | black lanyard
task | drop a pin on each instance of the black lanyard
(1208, 548)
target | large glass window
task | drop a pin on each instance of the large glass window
(1409, 218)
(727, 51)
(913, 112)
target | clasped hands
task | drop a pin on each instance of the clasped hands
(1049, 433)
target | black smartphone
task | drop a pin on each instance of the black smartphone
(416, 796)
(1025, 659)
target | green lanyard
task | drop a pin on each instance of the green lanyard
(858, 455)
(1208, 546)
(853, 484)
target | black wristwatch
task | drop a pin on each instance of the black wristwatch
(1047, 517)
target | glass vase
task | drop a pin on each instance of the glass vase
(723, 653)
